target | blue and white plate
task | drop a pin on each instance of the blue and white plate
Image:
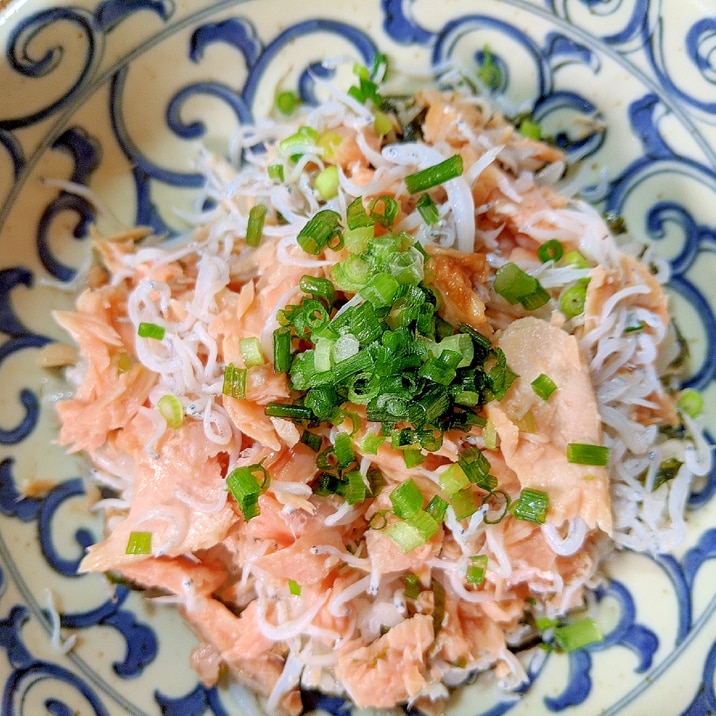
(119, 95)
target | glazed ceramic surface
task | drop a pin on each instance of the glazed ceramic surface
(119, 95)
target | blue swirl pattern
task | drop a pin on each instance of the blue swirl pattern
(85, 67)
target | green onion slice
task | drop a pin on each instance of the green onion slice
(251, 351)
(234, 382)
(543, 386)
(428, 209)
(245, 487)
(577, 635)
(517, 286)
(318, 232)
(287, 101)
(150, 330)
(275, 171)
(551, 250)
(496, 514)
(434, 175)
(282, 349)
(326, 182)
(412, 586)
(531, 506)
(476, 569)
(139, 543)
(406, 499)
(294, 588)
(586, 454)
(405, 535)
(572, 300)
(255, 225)
(171, 409)
(691, 402)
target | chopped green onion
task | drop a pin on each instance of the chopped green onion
(413, 457)
(477, 468)
(282, 349)
(635, 327)
(150, 330)
(691, 402)
(354, 491)
(245, 488)
(527, 423)
(405, 535)
(434, 175)
(390, 210)
(343, 450)
(287, 101)
(251, 351)
(356, 215)
(288, 410)
(500, 377)
(294, 588)
(255, 225)
(327, 143)
(234, 384)
(318, 286)
(489, 435)
(551, 250)
(530, 129)
(275, 171)
(572, 301)
(475, 573)
(322, 401)
(577, 635)
(412, 586)
(318, 232)
(517, 286)
(436, 508)
(492, 519)
(381, 290)
(545, 623)
(171, 409)
(406, 499)
(586, 454)
(489, 73)
(379, 68)
(577, 259)
(427, 208)
(543, 386)
(301, 140)
(463, 503)
(370, 443)
(323, 354)
(382, 124)
(311, 440)
(460, 343)
(531, 506)
(326, 182)
(139, 543)
(424, 523)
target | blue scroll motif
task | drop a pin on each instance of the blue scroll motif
(400, 25)
(111, 12)
(197, 702)
(19, 339)
(29, 671)
(22, 61)
(705, 702)
(85, 153)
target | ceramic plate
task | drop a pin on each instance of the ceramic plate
(118, 95)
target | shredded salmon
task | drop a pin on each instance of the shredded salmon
(311, 591)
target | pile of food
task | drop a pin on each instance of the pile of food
(375, 425)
